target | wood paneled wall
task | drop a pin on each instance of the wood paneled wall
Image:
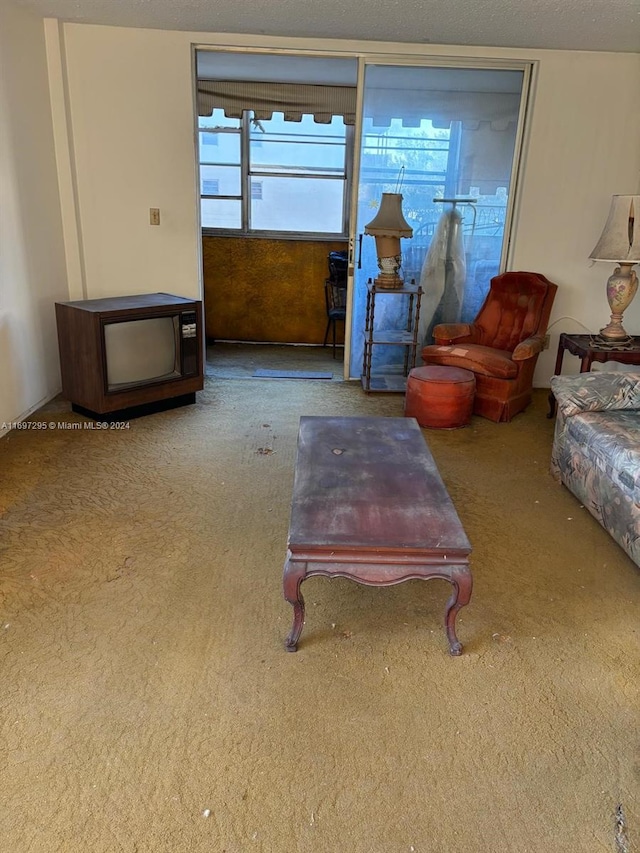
(266, 290)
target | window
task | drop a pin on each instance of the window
(220, 172)
(415, 159)
(210, 186)
(274, 176)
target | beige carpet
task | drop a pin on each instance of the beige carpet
(240, 361)
(147, 702)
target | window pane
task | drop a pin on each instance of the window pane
(298, 146)
(421, 152)
(228, 178)
(225, 150)
(221, 213)
(298, 205)
(222, 143)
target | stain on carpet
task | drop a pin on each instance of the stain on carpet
(622, 839)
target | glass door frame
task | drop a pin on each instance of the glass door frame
(528, 69)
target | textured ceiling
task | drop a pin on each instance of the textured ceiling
(612, 25)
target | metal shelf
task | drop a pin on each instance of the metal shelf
(406, 337)
(389, 382)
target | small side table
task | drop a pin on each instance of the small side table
(589, 350)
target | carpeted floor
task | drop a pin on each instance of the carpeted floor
(240, 361)
(147, 701)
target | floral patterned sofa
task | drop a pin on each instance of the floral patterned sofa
(596, 449)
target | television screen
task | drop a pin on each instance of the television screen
(140, 351)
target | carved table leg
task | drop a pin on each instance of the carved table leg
(294, 574)
(462, 586)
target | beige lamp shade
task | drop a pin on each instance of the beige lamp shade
(389, 220)
(620, 239)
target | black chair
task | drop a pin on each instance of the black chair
(335, 294)
(338, 264)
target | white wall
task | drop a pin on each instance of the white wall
(584, 146)
(132, 126)
(32, 263)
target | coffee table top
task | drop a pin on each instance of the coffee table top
(370, 484)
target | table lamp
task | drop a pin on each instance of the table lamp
(620, 241)
(388, 226)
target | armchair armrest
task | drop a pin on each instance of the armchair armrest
(445, 334)
(528, 348)
(596, 392)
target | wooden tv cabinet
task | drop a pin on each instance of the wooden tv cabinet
(84, 355)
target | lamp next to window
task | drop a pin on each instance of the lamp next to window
(620, 241)
(388, 226)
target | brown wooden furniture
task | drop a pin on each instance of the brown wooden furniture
(502, 344)
(589, 349)
(125, 356)
(440, 397)
(369, 505)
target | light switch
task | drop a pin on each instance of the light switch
(154, 216)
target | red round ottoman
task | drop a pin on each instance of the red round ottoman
(440, 397)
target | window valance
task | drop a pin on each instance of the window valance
(292, 99)
(473, 109)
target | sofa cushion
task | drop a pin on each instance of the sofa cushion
(611, 442)
(595, 392)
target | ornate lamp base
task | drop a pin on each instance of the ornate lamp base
(389, 262)
(621, 288)
(603, 343)
(389, 273)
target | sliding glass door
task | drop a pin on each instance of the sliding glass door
(445, 139)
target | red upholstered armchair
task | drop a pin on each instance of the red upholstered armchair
(502, 345)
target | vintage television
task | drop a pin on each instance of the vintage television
(127, 356)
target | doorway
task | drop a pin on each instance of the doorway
(276, 138)
(279, 133)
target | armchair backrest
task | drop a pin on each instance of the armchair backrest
(338, 263)
(517, 306)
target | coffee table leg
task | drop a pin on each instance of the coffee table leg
(462, 585)
(294, 574)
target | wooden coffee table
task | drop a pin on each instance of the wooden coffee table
(369, 505)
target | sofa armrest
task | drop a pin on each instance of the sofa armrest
(454, 333)
(528, 348)
(596, 392)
